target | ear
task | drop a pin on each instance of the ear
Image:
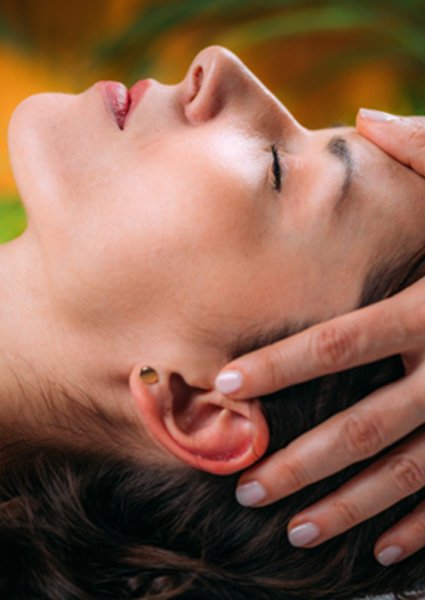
(201, 427)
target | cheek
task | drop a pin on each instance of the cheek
(129, 248)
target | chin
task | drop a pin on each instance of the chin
(33, 133)
(34, 114)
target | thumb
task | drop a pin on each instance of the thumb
(403, 138)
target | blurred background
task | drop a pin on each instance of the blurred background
(322, 58)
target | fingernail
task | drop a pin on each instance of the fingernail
(389, 555)
(377, 115)
(303, 534)
(251, 493)
(228, 381)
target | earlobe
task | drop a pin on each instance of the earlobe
(201, 427)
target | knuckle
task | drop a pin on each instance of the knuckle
(416, 137)
(419, 318)
(416, 142)
(347, 514)
(296, 476)
(416, 403)
(274, 370)
(332, 347)
(414, 320)
(417, 527)
(361, 437)
(407, 475)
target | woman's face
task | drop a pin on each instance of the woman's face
(174, 225)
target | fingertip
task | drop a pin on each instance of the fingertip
(303, 534)
(229, 381)
(389, 555)
(375, 124)
(402, 137)
(250, 494)
(376, 116)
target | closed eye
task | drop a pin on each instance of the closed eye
(277, 169)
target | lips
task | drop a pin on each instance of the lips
(117, 100)
(137, 91)
(120, 101)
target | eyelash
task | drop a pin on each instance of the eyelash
(277, 169)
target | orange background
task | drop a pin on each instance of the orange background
(323, 59)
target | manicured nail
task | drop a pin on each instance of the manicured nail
(228, 381)
(249, 494)
(377, 115)
(389, 555)
(303, 534)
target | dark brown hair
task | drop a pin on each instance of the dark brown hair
(89, 525)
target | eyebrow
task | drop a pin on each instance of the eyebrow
(339, 147)
(257, 338)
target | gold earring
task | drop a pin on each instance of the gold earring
(148, 375)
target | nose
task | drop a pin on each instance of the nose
(218, 82)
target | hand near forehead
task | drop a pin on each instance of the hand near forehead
(393, 326)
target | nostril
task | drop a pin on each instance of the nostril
(198, 75)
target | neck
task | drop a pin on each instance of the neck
(41, 347)
(41, 352)
(34, 340)
(23, 315)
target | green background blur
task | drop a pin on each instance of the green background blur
(322, 58)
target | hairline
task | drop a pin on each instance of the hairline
(378, 277)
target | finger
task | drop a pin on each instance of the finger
(383, 484)
(403, 539)
(401, 137)
(357, 433)
(392, 326)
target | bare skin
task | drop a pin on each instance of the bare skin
(141, 243)
(393, 326)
